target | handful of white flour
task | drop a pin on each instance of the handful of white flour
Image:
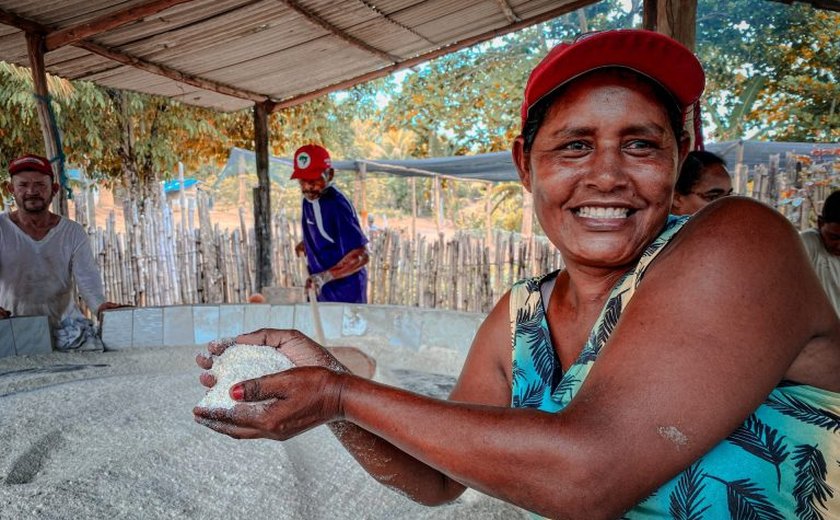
(240, 363)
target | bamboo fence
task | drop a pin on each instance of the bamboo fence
(157, 261)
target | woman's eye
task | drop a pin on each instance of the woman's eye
(639, 144)
(574, 146)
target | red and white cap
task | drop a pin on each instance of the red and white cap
(660, 58)
(31, 163)
(310, 162)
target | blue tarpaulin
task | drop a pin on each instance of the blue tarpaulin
(175, 185)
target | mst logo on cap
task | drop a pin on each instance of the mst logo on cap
(30, 163)
(310, 162)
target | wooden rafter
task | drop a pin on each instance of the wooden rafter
(338, 33)
(379, 13)
(70, 35)
(21, 23)
(462, 44)
(508, 11)
(31, 27)
(173, 74)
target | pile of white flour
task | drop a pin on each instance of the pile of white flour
(240, 363)
(111, 435)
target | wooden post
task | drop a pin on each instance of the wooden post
(241, 175)
(182, 195)
(413, 209)
(52, 140)
(741, 177)
(438, 205)
(649, 8)
(262, 209)
(364, 212)
(675, 18)
(488, 220)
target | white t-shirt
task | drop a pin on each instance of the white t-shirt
(825, 264)
(36, 276)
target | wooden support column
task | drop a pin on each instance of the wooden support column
(488, 217)
(46, 116)
(363, 213)
(438, 205)
(675, 18)
(262, 199)
(413, 208)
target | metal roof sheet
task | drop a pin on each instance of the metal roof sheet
(227, 54)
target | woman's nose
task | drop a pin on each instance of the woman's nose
(607, 171)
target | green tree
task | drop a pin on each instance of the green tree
(790, 51)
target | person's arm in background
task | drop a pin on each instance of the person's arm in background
(351, 263)
(3, 312)
(87, 278)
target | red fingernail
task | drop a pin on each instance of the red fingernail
(237, 392)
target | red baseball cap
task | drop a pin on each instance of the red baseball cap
(660, 58)
(31, 163)
(310, 162)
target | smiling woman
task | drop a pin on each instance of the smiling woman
(675, 367)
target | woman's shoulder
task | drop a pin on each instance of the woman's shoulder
(744, 224)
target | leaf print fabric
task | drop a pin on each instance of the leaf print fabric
(783, 462)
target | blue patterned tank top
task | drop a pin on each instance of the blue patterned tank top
(783, 462)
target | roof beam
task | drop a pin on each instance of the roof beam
(462, 44)
(508, 11)
(173, 74)
(21, 23)
(338, 33)
(31, 27)
(70, 35)
(390, 20)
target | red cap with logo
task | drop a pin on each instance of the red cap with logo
(662, 59)
(31, 163)
(310, 162)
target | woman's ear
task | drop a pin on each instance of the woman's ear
(522, 161)
(677, 204)
(683, 143)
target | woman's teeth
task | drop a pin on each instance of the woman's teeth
(600, 212)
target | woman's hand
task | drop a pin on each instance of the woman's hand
(295, 345)
(279, 406)
(298, 399)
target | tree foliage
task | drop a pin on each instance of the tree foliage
(772, 69)
(771, 72)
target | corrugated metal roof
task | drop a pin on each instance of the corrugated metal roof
(227, 54)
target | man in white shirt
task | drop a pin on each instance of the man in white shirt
(823, 247)
(42, 254)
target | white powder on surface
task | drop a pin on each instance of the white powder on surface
(240, 363)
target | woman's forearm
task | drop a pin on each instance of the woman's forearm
(394, 468)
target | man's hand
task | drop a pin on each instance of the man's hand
(4, 314)
(300, 250)
(107, 306)
(318, 280)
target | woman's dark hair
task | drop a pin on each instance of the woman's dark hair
(537, 113)
(831, 208)
(695, 162)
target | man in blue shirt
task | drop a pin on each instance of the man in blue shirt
(333, 240)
